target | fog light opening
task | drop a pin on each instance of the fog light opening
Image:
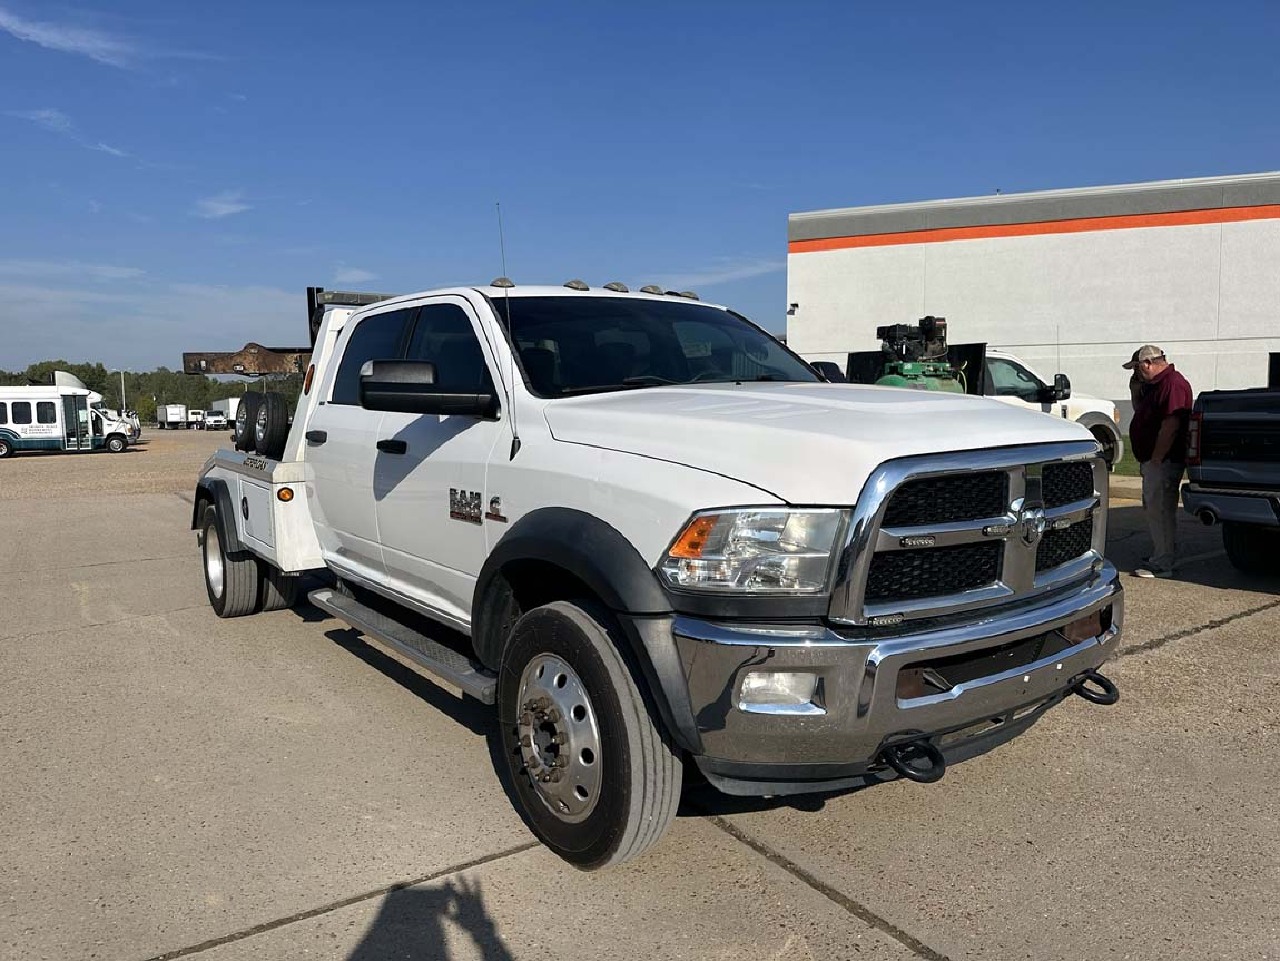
(781, 692)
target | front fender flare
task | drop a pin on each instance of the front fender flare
(598, 555)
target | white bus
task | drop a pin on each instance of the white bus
(59, 418)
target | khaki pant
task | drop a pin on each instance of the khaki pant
(1160, 503)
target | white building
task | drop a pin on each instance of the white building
(1069, 280)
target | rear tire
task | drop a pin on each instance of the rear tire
(246, 418)
(232, 584)
(5, 448)
(1251, 549)
(566, 673)
(279, 591)
(271, 427)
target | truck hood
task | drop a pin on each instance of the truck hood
(804, 443)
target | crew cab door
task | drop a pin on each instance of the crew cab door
(430, 472)
(341, 447)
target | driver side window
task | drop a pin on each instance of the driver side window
(1008, 379)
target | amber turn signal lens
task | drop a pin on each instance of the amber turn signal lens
(306, 381)
(694, 537)
(285, 494)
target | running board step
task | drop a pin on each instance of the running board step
(444, 662)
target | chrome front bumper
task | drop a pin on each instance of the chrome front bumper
(858, 711)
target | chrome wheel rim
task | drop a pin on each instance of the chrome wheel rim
(559, 738)
(214, 569)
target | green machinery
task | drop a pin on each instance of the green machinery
(916, 356)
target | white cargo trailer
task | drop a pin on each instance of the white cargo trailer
(171, 416)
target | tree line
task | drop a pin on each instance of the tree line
(144, 391)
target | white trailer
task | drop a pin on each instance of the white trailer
(227, 408)
(171, 416)
(1069, 280)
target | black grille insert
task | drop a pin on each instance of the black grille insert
(945, 500)
(932, 571)
(1059, 546)
(1067, 483)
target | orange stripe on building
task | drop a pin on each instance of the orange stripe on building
(1178, 218)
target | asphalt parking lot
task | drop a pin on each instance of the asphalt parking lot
(173, 785)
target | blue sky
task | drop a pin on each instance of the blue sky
(174, 175)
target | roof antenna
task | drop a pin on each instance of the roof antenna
(511, 341)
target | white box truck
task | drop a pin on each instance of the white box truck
(171, 416)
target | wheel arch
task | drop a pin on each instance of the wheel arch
(216, 492)
(559, 553)
(1094, 421)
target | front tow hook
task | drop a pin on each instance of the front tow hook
(1096, 688)
(906, 758)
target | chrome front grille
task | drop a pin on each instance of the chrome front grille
(929, 571)
(942, 500)
(1067, 483)
(954, 532)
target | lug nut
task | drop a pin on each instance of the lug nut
(554, 715)
(526, 740)
(559, 738)
(526, 719)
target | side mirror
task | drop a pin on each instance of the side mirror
(1061, 387)
(830, 371)
(409, 387)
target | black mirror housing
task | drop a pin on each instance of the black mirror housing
(830, 371)
(1061, 387)
(409, 387)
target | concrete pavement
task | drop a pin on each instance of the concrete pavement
(271, 787)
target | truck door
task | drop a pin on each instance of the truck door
(340, 446)
(429, 475)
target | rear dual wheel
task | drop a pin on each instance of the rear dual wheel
(594, 773)
(241, 585)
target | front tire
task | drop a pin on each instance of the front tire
(595, 774)
(1251, 549)
(232, 584)
(116, 444)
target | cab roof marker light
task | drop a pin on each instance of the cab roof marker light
(690, 294)
(650, 289)
(502, 282)
(577, 285)
(617, 286)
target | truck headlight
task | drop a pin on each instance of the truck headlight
(756, 551)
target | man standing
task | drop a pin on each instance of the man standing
(1158, 435)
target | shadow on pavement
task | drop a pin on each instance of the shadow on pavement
(413, 923)
(1202, 559)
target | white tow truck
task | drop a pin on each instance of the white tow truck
(666, 542)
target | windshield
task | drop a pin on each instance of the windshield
(582, 345)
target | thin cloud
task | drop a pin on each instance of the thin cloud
(352, 275)
(105, 49)
(728, 270)
(67, 269)
(52, 120)
(55, 121)
(222, 205)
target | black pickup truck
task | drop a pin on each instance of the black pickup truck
(1233, 470)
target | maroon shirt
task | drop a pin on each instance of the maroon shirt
(1169, 396)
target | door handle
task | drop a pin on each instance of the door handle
(393, 446)
(317, 436)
